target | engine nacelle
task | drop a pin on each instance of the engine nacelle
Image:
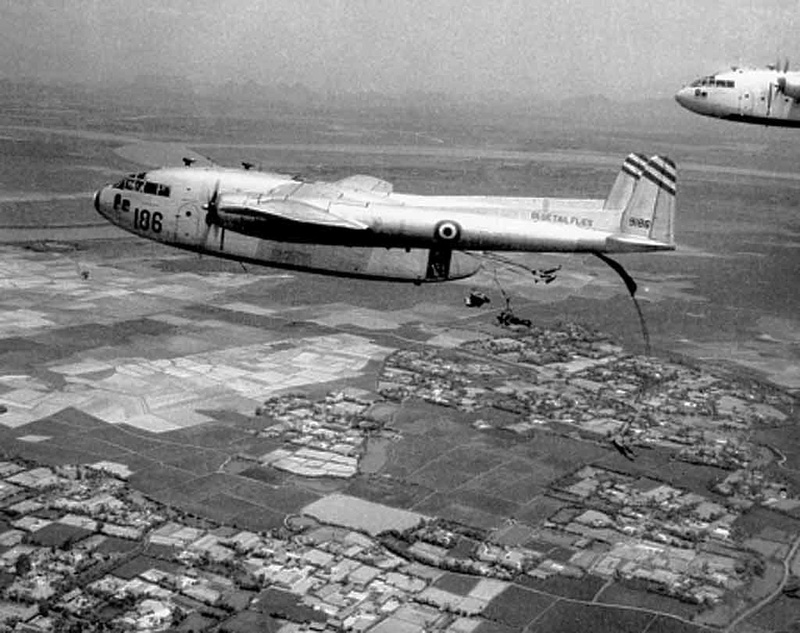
(790, 86)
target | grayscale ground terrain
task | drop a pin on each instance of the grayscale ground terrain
(522, 478)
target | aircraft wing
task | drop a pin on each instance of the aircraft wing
(255, 208)
(360, 182)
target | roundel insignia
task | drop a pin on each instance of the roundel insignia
(446, 231)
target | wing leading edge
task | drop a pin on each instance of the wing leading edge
(255, 209)
(361, 182)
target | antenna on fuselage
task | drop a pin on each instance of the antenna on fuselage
(187, 162)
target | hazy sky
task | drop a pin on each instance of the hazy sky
(569, 47)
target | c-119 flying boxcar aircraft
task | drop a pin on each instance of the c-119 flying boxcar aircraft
(766, 96)
(359, 227)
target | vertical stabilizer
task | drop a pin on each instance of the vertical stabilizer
(626, 181)
(650, 212)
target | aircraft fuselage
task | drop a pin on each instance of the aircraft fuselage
(766, 96)
(358, 226)
(173, 213)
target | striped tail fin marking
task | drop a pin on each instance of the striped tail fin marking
(650, 211)
(624, 185)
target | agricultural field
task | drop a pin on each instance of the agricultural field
(517, 607)
(568, 616)
(622, 593)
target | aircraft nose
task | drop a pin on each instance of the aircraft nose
(687, 97)
(100, 202)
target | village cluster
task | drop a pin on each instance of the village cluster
(570, 377)
(321, 439)
(80, 543)
(79, 548)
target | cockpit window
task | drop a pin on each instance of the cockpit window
(137, 182)
(712, 81)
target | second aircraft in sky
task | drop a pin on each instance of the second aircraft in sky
(766, 96)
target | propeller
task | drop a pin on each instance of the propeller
(212, 211)
(772, 88)
(212, 206)
(781, 80)
(779, 86)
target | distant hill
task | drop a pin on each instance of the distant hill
(160, 92)
(153, 95)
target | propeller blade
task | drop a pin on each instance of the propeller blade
(786, 65)
(212, 212)
(769, 98)
(212, 206)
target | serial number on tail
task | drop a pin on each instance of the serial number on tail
(639, 223)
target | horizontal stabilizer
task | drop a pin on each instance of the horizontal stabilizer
(635, 244)
(285, 211)
(361, 182)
